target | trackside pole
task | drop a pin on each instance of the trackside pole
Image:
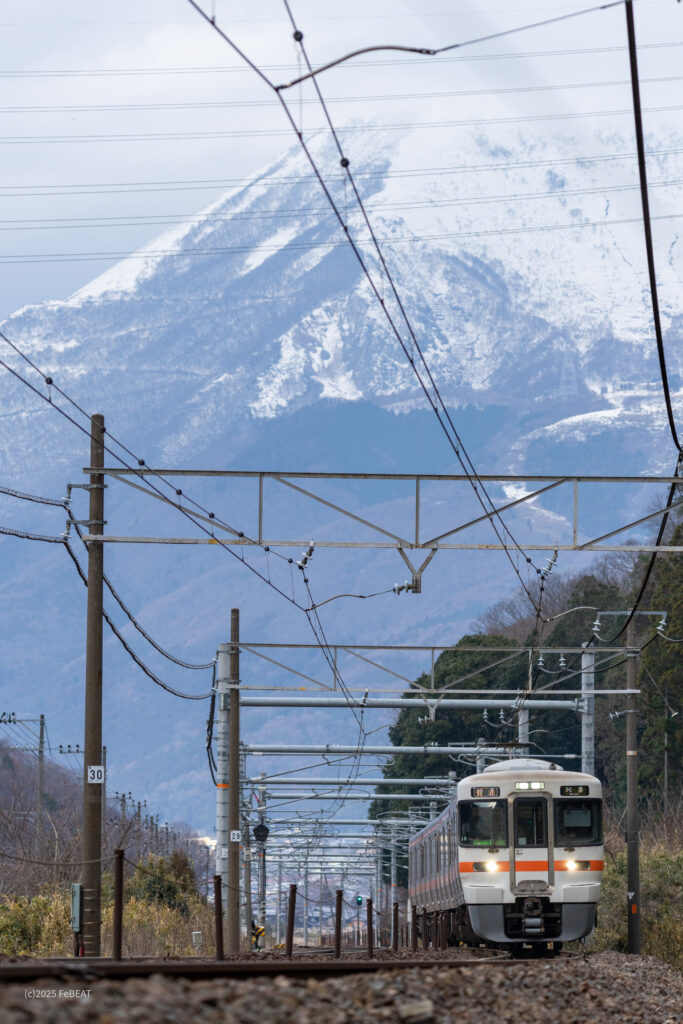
(339, 895)
(291, 912)
(218, 916)
(632, 822)
(117, 922)
(234, 837)
(92, 743)
(371, 944)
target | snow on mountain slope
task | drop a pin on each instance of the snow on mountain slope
(256, 305)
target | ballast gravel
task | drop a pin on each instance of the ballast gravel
(605, 988)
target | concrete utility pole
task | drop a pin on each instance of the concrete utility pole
(235, 837)
(588, 717)
(92, 744)
(632, 822)
(41, 774)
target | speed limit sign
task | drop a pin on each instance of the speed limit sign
(95, 773)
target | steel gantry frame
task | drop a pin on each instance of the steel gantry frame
(532, 487)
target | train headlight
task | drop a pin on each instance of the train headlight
(491, 865)
(578, 865)
(485, 865)
(572, 865)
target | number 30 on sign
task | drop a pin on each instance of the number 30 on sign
(95, 773)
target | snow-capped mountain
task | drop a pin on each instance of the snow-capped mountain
(249, 337)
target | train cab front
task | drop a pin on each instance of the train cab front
(530, 854)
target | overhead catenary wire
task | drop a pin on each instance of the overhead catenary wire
(129, 650)
(204, 251)
(248, 133)
(435, 400)
(282, 213)
(199, 524)
(107, 188)
(64, 503)
(237, 68)
(365, 98)
(645, 202)
(424, 51)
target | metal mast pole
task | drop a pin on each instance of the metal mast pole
(523, 730)
(320, 907)
(588, 718)
(393, 881)
(278, 916)
(234, 839)
(262, 884)
(222, 684)
(306, 900)
(92, 743)
(246, 853)
(632, 823)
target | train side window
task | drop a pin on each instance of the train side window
(437, 843)
(530, 822)
(422, 862)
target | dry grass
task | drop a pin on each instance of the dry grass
(661, 889)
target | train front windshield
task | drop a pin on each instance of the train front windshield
(483, 823)
(578, 822)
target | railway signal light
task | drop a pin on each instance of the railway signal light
(359, 900)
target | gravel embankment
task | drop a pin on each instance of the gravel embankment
(605, 989)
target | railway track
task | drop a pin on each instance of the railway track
(302, 966)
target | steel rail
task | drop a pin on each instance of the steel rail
(92, 969)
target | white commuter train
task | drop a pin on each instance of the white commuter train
(516, 859)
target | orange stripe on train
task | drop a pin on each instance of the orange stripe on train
(467, 867)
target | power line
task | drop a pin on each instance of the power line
(436, 401)
(237, 69)
(180, 508)
(25, 535)
(249, 133)
(129, 650)
(284, 213)
(642, 170)
(423, 51)
(369, 97)
(64, 503)
(202, 251)
(109, 188)
(150, 640)
(33, 497)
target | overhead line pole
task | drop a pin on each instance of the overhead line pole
(41, 774)
(632, 822)
(92, 742)
(222, 778)
(234, 838)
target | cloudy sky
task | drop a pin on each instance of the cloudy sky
(118, 120)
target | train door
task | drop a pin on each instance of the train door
(531, 830)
